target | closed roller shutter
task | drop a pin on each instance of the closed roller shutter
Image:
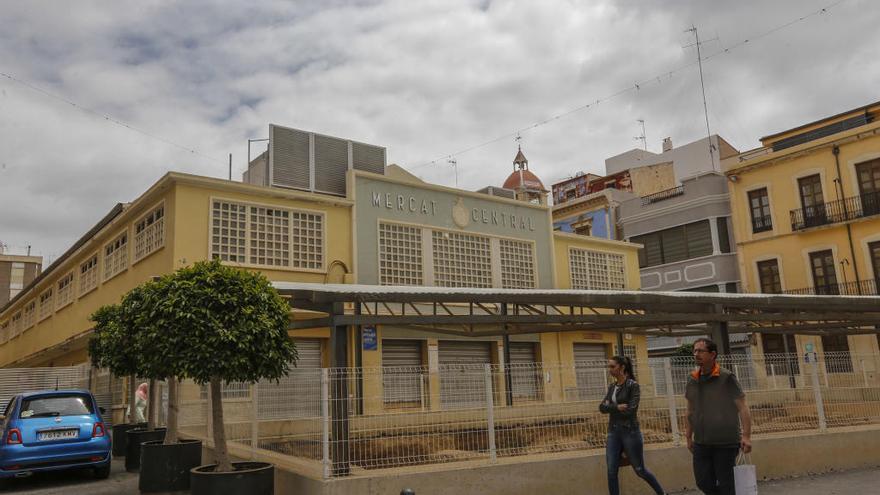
(402, 373)
(462, 373)
(525, 371)
(590, 370)
(298, 395)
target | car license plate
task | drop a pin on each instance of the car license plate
(57, 434)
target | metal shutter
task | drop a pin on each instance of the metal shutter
(402, 373)
(590, 370)
(331, 164)
(525, 371)
(290, 158)
(462, 373)
(368, 158)
(298, 395)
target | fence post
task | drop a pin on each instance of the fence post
(255, 423)
(817, 393)
(325, 422)
(670, 396)
(490, 413)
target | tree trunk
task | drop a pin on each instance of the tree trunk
(152, 408)
(132, 394)
(173, 410)
(220, 452)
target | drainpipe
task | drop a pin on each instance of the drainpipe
(852, 251)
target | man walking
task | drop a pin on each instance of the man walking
(719, 423)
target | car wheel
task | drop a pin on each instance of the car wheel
(103, 472)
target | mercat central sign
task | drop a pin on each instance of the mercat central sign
(460, 214)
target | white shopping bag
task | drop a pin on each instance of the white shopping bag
(745, 476)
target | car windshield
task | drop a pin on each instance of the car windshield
(56, 405)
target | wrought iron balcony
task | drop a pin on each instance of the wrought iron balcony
(859, 288)
(662, 195)
(838, 211)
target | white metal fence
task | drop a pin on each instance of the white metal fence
(347, 420)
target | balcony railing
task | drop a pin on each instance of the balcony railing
(838, 211)
(859, 288)
(662, 195)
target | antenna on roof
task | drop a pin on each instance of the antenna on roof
(642, 137)
(698, 43)
(454, 164)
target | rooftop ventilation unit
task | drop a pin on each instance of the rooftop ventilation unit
(312, 162)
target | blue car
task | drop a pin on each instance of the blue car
(53, 430)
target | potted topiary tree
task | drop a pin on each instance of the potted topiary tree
(236, 331)
(131, 310)
(164, 319)
(112, 346)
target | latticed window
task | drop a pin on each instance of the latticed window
(15, 326)
(308, 240)
(4, 331)
(116, 256)
(269, 236)
(461, 260)
(149, 233)
(30, 314)
(400, 255)
(228, 231)
(595, 270)
(88, 275)
(65, 291)
(46, 305)
(517, 265)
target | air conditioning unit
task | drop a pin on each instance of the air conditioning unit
(313, 162)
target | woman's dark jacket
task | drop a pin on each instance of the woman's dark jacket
(628, 394)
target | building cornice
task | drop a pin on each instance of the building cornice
(598, 240)
(695, 203)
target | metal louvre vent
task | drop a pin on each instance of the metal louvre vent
(368, 158)
(290, 158)
(331, 164)
(821, 132)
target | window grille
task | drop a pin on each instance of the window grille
(308, 240)
(4, 332)
(88, 275)
(269, 236)
(149, 233)
(461, 260)
(16, 325)
(116, 256)
(228, 231)
(46, 306)
(517, 265)
(400, 255)
(595, 270)
(65, 291)
(30, 314)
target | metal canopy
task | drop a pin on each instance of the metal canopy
(491, 312)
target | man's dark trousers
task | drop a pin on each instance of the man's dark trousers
(713, 468)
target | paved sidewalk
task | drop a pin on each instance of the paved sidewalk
(849, 483)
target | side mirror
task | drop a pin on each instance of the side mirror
(102, 410)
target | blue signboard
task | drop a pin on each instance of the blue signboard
(368, 337)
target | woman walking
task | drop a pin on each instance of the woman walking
(621, 403)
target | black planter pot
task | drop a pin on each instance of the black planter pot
(120, 439)
(165, 468)
(249, 478)
(133, 450)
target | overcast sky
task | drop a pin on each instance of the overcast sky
(423, 78)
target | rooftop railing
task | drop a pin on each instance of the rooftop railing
(662, 195)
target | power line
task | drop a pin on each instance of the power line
(657, 79)
(106, 117)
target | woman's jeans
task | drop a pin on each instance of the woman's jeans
(629, 440)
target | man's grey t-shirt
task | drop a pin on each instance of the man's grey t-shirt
(715, 418)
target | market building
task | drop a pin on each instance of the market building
(326, 210)
(806, 218)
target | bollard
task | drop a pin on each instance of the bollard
(407, 491)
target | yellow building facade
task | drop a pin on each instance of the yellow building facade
(806, 217)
